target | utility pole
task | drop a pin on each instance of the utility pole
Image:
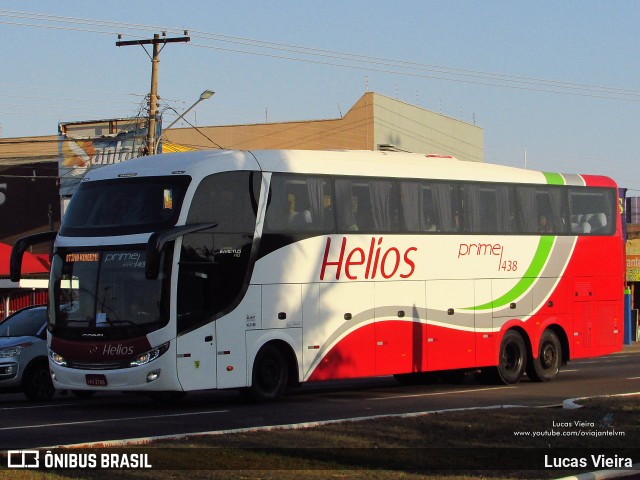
(156, 41)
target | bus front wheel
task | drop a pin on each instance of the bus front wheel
(270, 376)
(547, 366)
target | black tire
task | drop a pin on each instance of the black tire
(512, 361)
(37, 383)
(270, 376)
(547, 366)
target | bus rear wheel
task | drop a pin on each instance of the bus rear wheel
(547, 366)
(270, 376)
(512, 361)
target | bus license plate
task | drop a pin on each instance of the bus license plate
(96, 380)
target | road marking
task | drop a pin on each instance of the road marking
(596, 362)
(566, 371)
(87, 422)
(268, 428)
(439, 393)
(634, 378)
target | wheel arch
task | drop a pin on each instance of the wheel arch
(290, 356)
(522, 332)
(283, 342)
(564, 341)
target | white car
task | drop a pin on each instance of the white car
(24, 365)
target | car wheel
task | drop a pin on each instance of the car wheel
(38, 384)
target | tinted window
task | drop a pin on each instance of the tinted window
(592, 211)
(24, 323)
(367, 205)
(299, 204)
(124, 206)
(214, 264)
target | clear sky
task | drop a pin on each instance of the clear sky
(557, 80)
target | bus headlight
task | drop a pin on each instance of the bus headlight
(150, 356)
(57, 358)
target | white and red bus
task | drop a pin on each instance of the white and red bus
(261, 270)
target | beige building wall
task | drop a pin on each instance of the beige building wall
(373, 121)
(353, 131)
(26, 150)
(415, 129)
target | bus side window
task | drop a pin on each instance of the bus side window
(346, 206)
(299, 204)
(592, 210)
(367, 205)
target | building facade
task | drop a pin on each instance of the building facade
(374, 122)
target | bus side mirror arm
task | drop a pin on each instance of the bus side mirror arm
(158, 240)
(21, 245)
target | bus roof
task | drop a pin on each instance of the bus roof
(199, 164)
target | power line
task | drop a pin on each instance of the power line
(354, 61)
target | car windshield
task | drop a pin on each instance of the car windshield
(24, 324)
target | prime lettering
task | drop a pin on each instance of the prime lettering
(377, 261)
(479, 249)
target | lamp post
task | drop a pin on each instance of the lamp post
(203, 96)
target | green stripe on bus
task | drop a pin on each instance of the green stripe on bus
(554, 178)
(530, 276)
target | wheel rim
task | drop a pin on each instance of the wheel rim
(548, 356)
(41, 384)
(512, 357)
(270, 374)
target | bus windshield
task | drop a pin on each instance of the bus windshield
(124, 206)
(105, 291)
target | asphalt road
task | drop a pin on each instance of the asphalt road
(66, 420)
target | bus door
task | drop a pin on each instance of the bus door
(196, 359)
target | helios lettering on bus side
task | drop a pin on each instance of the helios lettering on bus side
(379, 259)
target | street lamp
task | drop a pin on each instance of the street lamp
(203, 96)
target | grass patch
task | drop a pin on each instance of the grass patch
(490, 444)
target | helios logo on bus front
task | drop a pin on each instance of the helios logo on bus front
(379, 260)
